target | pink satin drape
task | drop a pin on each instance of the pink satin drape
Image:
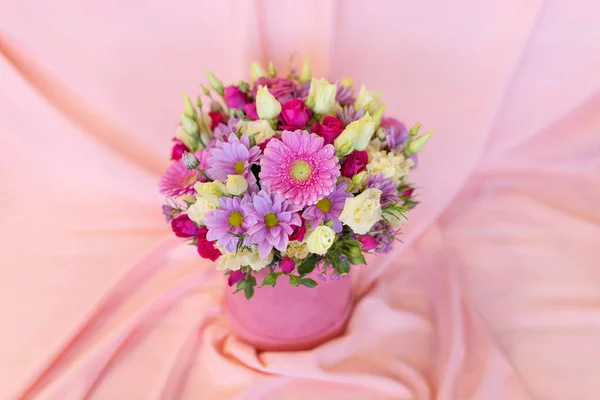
(494, 293)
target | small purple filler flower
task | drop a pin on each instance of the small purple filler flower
(227, 223)
(395, 133)
(328, 208)
(232, 157)
(389, 192)
(300, 167)
(270, 218)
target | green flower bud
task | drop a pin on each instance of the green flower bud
(188, 107)
(306, 73)
(243, 86)
(256, 71)
(205, 91)
(199, 103)
(190, 125)
(272, 71)
(190, 160)
(416, 145)
(215, 83)
(414, 131)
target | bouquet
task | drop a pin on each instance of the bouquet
(293, 174)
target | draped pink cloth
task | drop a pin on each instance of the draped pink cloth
(494, 294)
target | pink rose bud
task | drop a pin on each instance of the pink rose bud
(294, 115)
(250, 110)
(235, 276)
(234, 97)
(299, 231)
(287, 265)
(329, 129)
(215, 119)
(355, 163)
(368, 242)
(178, 149)
(206, 249)
(407, 193)
(184, 227)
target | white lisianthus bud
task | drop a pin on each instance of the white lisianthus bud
(320, 240)
(215, 83)
(267, 106)
(272, 70)
(236, 184)
(306, 73)
(416, 145)
(321, 96)
(356, 136)
(188, 107)
(256, 71)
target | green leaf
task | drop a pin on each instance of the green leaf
(308, 282)
(249, 291)
(345, 266)
(240, 285)
(294, 280)
(308, 265)
(270, 280)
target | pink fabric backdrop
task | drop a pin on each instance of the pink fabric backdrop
(494, 294)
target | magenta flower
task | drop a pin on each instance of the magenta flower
(178, 180)
(329, 129)
(287, 265)
(389, 192)
(234, 97)
(283, 89)
(235, 276)
(250, 110)
(184, 227)
(368, 242)
(300, 167)
(355, 163)
(178, 149)
(328, 208)
(294, 115)
(270, 219)
(227, 223)
(232, 157)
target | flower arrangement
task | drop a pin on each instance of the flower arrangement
(294, 174)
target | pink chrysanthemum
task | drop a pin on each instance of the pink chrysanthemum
(178, 180)
(300, 167)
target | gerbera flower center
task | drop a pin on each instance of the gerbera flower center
(324, 205)
(236, 219)
(239, 167)
(300, 170)
(271, 220)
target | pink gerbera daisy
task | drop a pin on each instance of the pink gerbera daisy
(178, 180)
(300, 167)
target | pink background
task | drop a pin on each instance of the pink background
(494, 295)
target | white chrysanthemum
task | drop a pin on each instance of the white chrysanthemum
(297, 250)
(393, 166)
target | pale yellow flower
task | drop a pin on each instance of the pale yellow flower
(356, 136)
(198, 210)
(360, 213)
(260, 130)
(236, 260)
(320, 240)
(267, 106)
(394, 166)
(236, 184)
(256, 71)
(211, 191)
(297, 250)
(321, 96)
(367, 99)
